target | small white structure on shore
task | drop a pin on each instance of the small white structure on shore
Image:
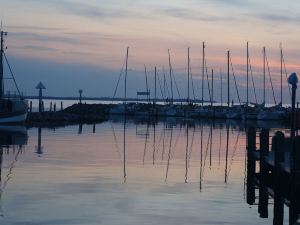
(40, 87)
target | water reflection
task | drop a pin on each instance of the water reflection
(275, 178)
(170, 135)
(11, 138)
(166, 165)
(39, 147)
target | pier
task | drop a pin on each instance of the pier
(273, 167)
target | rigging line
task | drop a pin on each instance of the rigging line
(116, 141)
(236, 88)
(177, 139)
(207, 148)
(234, 152)
(10, 171)
(176, 85)
(166, 88)
(250, 67)
(245, 173)
(159, 142)
(147, 88)
(208, 85)
(220, 146)
(160, 87)
(201, 156)
(12, 74)
(163, 150)
(271, 80)
(119, 78)
(285, 71)
(191, 146)
(169, 155)
(186, 153)
(193, 84)
(154, 146)
(146, 142)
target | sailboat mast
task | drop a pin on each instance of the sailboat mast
(147, 89)
(155, 74)
(170, 73)
(188, 96)
(281, 60)
(165, 85)
(221, 77)
(1, 65)
(203, 58)
(126, 68)
(247, 74)
(264, 55)
(228, 81)
(212, 87)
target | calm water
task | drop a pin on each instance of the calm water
(170, 172)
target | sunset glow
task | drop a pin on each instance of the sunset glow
(96, 34)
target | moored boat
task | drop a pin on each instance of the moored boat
(12, 109)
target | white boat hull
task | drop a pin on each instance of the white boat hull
(270, 115)
(14, 119)
(234, 115)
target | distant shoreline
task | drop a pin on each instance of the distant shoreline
(111, 99)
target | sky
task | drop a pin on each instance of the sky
(77, 44)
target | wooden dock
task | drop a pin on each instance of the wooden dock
(273, 167)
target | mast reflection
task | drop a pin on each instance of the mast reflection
(10, 136)
(39, 147)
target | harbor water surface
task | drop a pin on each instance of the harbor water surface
(129, 172)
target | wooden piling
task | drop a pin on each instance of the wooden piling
(251, 148)
(263, 192)
(61, 106)
(30, 106)
(278, 148)
(42, 107)
(294, 181)
(54, 107)
(50, 106)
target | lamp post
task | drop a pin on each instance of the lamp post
(40, 87)
(80, 96)
(293, 80)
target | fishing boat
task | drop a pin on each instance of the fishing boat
(13, 109)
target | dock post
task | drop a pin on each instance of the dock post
(80, 128)
(294, 181)
(80, 96)
(251, 147)
(54, 107)
(40, 87)
(61, 106)
(263, 174)
(94, 128)
(42, 107)
(30, 106)
(50, 106)
(278, 147)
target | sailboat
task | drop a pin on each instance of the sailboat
(13, 109)
(124, 108)
(251, 111)
(276, 112)
(172, 110)
(234, 112)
